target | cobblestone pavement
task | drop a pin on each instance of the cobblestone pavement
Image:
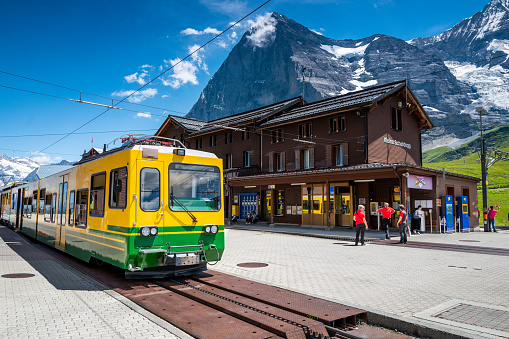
(60, 302)
(391, 279)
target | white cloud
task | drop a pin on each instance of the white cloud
(147, 66)
(136, 78)
(234, 8)
(192, 31)
(183, 72)
(263, 30)
(43, 158)
(144, 115)
(138, 96)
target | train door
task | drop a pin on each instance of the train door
(61, 211)
(151, 193)
(19, 205)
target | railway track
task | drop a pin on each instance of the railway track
(213, 305)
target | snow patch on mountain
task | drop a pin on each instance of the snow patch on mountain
(499, 45)
(489, 82)
(18, 167)
(347, 52)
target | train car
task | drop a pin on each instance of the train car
(10, 200)
(151, 207)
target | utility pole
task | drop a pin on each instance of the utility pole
(484, 173)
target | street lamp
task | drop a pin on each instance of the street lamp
(484, 172)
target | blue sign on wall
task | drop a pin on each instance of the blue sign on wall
(447, 212)
(462, 212)
(248, 203)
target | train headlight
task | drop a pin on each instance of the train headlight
(145, 231)
(211, 229)
(148, 231)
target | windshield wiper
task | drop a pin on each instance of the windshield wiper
(181, 205)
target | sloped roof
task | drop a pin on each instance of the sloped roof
(257, 115)
(188, 124)
(45, 171)
(353, 99)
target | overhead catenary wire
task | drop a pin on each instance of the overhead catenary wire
(161, 74)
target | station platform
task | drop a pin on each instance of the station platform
(42, 297)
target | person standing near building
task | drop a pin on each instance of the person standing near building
(402, 224)
(360, 224)
(417, 219)
(491, 218)
(386, 218)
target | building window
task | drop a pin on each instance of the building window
(337, 155)
(304, 159)
(213, 141)
(71, 208)
(229, 161)
(97, 196)
(337, 124)
(81, 208)
(228, 138)
(305, 130)
(277, 135)
(246, 135)
(118, 188)
(199, 143)
(245, 157)
(278, 162)
(396, 119)
(150, 190)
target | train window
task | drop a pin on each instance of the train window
(34, 202)
(150, 189)
(46, 207)
(71, 208)
(42, 196)
(62, 204)
(27, 205)
(118, 188)
(197, 187)
(97, 195)
(81, 208)
(53, 207)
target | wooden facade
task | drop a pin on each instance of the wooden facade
(313, 163)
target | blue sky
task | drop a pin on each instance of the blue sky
(109, 48)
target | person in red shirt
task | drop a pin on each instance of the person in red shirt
(491, 218)
(386, 218)
(360, 224)
(403, 224)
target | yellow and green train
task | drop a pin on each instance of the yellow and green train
(151, 207)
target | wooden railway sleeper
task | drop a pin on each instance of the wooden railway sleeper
(309, 331)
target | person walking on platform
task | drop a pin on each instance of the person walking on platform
(416, 220)
(491, 218)
(360, 225)
(402, 224)
(386, 218)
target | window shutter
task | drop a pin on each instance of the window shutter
(345, 153)
(394, 124)
(283, 161)
(328, 155)
(271, 161)
(400, 127)
(311, 158)
(297, 159)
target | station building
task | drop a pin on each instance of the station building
(314, 163)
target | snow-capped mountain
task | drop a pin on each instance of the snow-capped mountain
(266, 66)
(476, 50)
(18, 167)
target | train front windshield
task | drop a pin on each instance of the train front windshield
(194, 187)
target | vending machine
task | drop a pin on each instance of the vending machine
(447, 213)
(462, 213)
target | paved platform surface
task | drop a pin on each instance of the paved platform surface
(392, 280)
(60, 302)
